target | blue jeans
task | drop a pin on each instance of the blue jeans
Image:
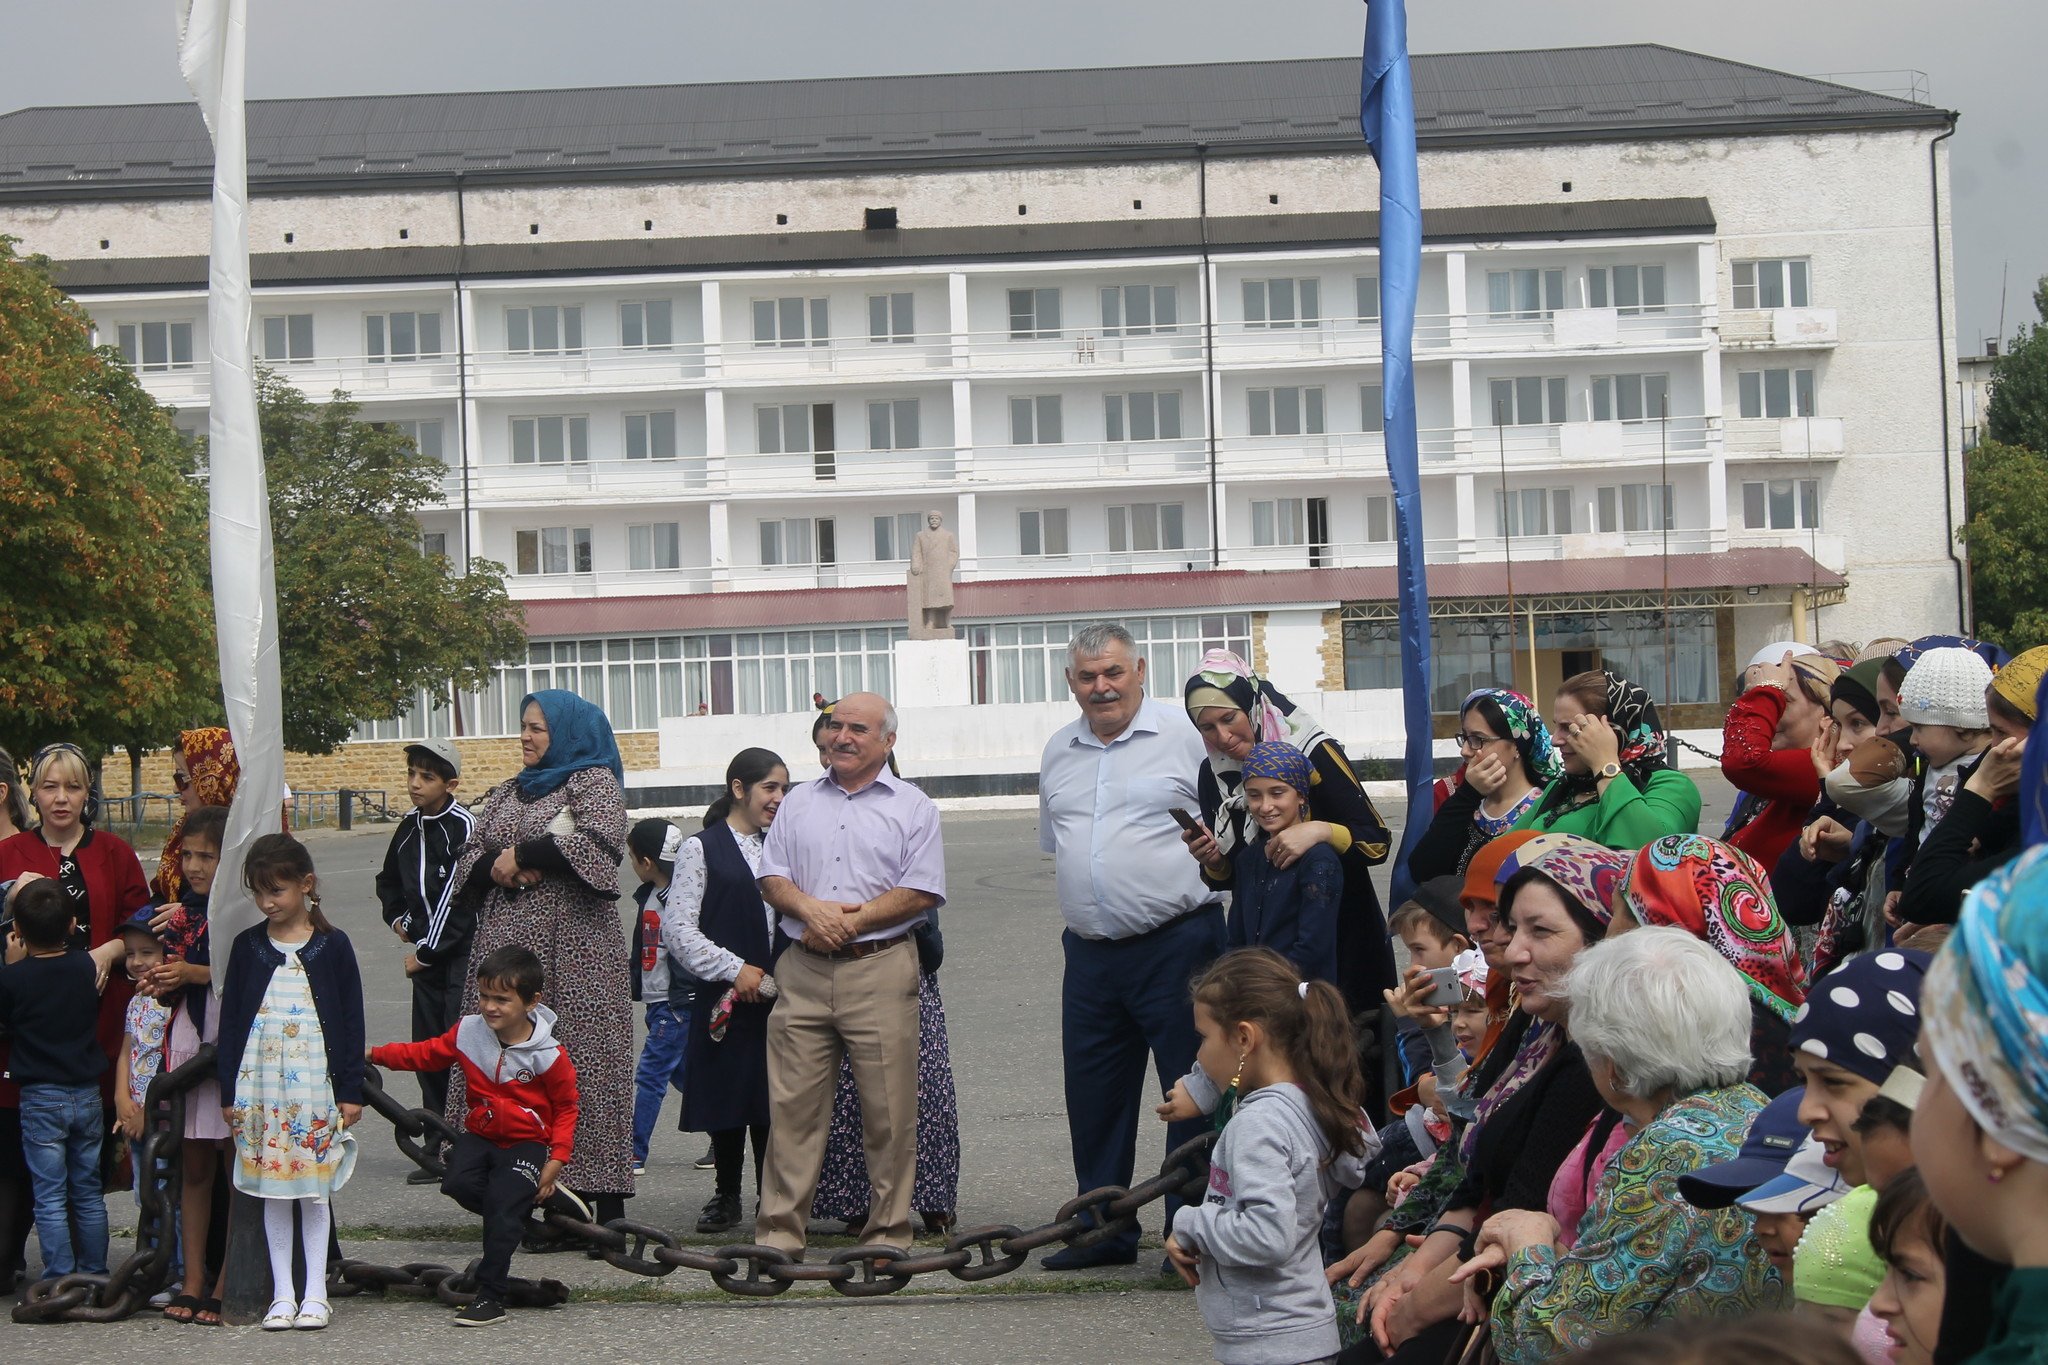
(662, 1063)
(60, 1137)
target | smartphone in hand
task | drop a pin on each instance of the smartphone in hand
(1448, 994)
(1184, 820)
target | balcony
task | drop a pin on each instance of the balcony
(628, 583)
(1177, 347)
(597, 481)
(602, 367)
(1331, 453)
(1756, 329)
(1186, 560)
(1089, 461)
(1582, 329)
(1784, 438)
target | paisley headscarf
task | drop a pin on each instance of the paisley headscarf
(1719, 895)
(1984, 1007)
(1279, 762)
(209, 755)
(1526, 729)
(1589, 872)
(1629, 710)
(1224, 679)
(579, 737)
(1989, 653)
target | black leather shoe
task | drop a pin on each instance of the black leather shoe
(722, 1214)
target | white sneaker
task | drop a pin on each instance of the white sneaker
(283, 1313)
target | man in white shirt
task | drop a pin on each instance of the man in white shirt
(1140, 921)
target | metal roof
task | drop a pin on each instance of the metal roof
(1204, 590)
(1642, 90)
(798, 250)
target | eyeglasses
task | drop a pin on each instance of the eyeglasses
(1468, 739)
(180, 781)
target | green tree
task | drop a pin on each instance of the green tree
(106, 624)
(2017, 412)
(366, 621)
(2007, 492)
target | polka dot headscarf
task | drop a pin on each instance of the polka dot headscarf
(1865, 1015)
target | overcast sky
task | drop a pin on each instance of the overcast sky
(1981, 57)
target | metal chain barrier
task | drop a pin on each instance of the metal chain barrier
(971, 1255)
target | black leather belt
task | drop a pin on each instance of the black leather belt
(1173, 923)
(854, 952)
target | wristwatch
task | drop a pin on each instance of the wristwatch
(1608, 770)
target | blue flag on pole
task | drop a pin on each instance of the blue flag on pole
(1387, 115)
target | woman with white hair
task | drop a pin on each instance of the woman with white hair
(1663, 1022)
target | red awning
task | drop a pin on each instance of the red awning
(1124, 594)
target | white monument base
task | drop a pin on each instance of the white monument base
(931, 673)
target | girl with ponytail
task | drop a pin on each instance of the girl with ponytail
(1292, 1134)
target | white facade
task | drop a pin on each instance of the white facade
(614, 433)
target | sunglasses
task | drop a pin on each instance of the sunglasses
(180, 781)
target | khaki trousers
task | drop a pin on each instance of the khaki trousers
(866, 1009)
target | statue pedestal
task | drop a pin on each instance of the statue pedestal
(931, 673)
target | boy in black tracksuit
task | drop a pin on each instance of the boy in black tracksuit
(417, 891)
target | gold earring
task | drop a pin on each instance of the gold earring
(1239, 1075)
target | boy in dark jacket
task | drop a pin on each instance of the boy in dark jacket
(420, 902)
(522, 1112)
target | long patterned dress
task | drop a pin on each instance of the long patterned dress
(291, 1144)
(843, 1189)
(572, 924)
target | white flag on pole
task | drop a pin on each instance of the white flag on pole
(212, 41)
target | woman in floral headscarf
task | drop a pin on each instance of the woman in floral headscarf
(1235, 708)
(1509, 759)
(1617, 788)
(206, 772)
(1720, 895)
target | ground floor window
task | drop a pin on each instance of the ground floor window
(1027, 660)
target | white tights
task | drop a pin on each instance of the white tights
(315, 1216)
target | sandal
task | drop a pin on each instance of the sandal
(182, 1309)
(313, 1315)
(208, 1313)
(283, 1312)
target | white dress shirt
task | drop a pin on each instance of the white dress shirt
(1102, 813)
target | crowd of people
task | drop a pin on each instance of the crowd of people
(1638, 1087)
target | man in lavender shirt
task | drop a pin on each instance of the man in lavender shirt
(853, 863)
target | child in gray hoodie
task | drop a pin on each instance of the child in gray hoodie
(1292, 1133)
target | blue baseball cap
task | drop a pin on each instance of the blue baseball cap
(139, 923)
(1774, 1135)
(1808, 1185)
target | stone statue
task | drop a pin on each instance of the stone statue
(933, 557)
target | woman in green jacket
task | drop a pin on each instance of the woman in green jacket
(1617, 788)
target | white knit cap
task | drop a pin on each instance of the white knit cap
(1946, 687)
(1780, 650)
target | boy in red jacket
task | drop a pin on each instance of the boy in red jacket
(522, 1112)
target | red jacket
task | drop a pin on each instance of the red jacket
(1782, 779)
(523, 1093)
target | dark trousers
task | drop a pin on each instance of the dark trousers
(436, 1005)
(498, 1183)
(1121, 999)
(729, 1151)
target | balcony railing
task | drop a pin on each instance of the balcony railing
(621, 583)
(1787, 438)
(1753, 328)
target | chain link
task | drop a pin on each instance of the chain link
(971, 1255)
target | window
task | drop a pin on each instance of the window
(1526, 401)
(156, 345)
(1630, 397)
(1636, 507)
(1141, 416)
(892, 318)
(1776, 393)
(650, 435)
(1283, 303)
(1042, 531)
(1781, 505)
(1368, 298)
(434, 543)
(796, 429)
(646, 325)
(425, 437)
(1035, 421)
(798, 540)
(894, 535)
(1284, 412)
(1134, 310)
(1479, 651)
(1024, 661)
(1372, 407)
(893, 424)
(1770, 284)
(1034, 314)
(550, 440)
(288, 339)
(654, 546)
(1524, 293)
(791, 322)
(553, 549)
(1379, 519)
(1532, 512)
(1632, 289)
(401, 337)
(1147, 526)
(548, 330)
(1291, 521)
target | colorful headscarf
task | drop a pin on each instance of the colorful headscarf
(2019, 682)
(1278, 761)
(1629, 710)
(210, 760)
(1719, 895)
(1590, 873)
(1989, 653)
(1865, 1015)
(1224, 679)
(1986, 1005)
(1526, 729)
(579, 737)
(1482, 874)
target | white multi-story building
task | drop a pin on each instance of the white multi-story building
(699, 358)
